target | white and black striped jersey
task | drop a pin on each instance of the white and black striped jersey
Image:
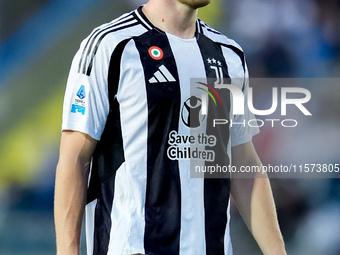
(129, 88)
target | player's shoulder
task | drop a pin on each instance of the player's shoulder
(217, 36)
(105, 39)
(111, 33)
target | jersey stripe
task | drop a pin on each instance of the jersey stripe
(163, 192)
(107, 158)
(215, 207)
(102, 217)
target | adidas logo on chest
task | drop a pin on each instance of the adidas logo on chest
(162, 75)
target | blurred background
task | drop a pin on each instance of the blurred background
(281, 38)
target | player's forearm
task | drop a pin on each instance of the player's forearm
(255, 202)
(254, 199)
(265, 227)
(69, 204)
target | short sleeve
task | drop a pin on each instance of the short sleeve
(86, 102)
(241, 130)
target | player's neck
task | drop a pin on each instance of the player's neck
(172, 17)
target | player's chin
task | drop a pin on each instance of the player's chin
(195, 4)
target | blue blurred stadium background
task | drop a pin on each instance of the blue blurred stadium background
(281, 38)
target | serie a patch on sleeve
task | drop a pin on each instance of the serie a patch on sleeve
(79, 101)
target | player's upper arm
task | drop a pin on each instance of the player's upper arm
(76, 148)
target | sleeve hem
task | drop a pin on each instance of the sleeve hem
(74, 127)
(244, 140)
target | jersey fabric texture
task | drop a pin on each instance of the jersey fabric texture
(129, 88)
